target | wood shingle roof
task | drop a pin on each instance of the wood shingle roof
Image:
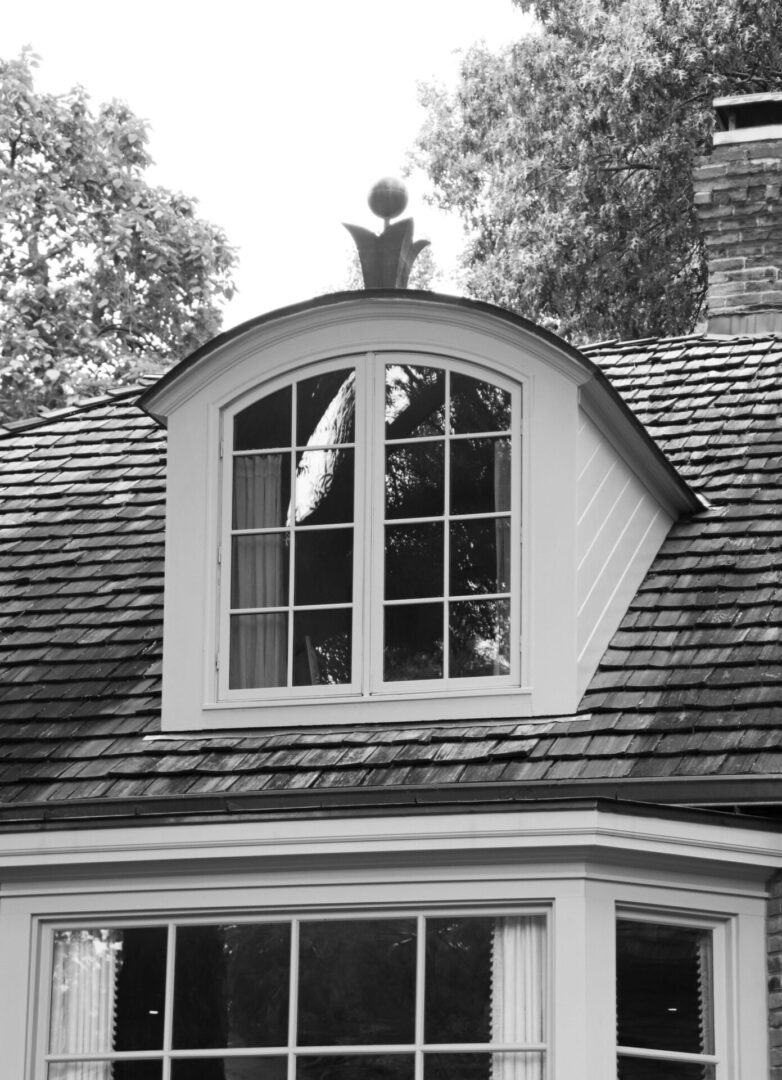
(690, 688)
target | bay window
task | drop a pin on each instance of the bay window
(442, 997)
(372, 541)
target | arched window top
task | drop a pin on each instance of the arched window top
(373, 531)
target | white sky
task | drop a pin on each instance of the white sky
(277, 117)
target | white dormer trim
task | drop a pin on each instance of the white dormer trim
(559, 646)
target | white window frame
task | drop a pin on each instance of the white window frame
(367, 684)
(292, 1049)
(721, 932)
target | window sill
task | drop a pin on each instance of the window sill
(477, 704)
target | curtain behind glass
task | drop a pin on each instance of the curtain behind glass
(518, 994)
(83, 1000)
(259, 651)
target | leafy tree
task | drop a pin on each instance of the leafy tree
(102, 276)
(569, 156)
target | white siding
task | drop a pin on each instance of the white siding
(620, 527)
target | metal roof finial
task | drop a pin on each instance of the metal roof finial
(387, 258)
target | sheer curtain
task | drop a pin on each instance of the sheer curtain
(502, 534)
(259, 643)
(518, 995)
(86, 964)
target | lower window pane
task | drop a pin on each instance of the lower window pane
(518, 1066)
(322, 654)
(647, 1069)
(355, 1067)
(259, 650)
(479, 638)
(230, 1068)
(413, 643)
(105, 1070)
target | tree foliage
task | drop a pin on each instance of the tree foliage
(569, 156)
(102, 275)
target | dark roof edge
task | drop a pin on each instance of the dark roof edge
(711, 796)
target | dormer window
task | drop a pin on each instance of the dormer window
(373, 532)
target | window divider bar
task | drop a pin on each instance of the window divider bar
(666, 1055)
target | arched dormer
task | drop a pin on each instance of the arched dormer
(397, 505)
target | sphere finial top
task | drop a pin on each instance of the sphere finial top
(388, 198)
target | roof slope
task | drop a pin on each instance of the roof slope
(690, 686)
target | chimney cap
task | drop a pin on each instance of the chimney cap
(748, 117)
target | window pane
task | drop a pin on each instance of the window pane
(265, 423)
(414, 560)
(663, 988)
(259, 651)
(479, 638)
(355, 1067)
(484, 1066)
(414, 480)
(230, 1068)
(262, 491)
(357, 985)
(231, 986)
(322, 652)
(324, 487)
(413, 643)
(324, 566)
(485, 980)
(259, 570)
(108, 990)
(647, 1069)
(105, 1070)
(478, 406)
(415, 401)
(326, 408)
(480, 476)
(480, 556)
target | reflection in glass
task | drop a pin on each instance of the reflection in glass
(265, 423)
(632, 1068)
(324, 487)
(663, 987)
(414, 480)
(259, 650)
(231, 986)
(479, 638)
(414, 560)
(326, 408)
(415, 401)
(355, 1067)
(480, 476)
(230, 1068)
(261, 491)
(478, 406)
(509, 1066)
(322, 647)
(413, 643)
(357, 983)
(259, 570)
(324, 566)
(108, 990)
(480, 556)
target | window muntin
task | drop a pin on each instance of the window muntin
(411, 996)
(665, 1007)
(415, 556)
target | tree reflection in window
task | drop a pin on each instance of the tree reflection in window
(447, 578)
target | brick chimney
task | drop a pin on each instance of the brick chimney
(737, 197)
